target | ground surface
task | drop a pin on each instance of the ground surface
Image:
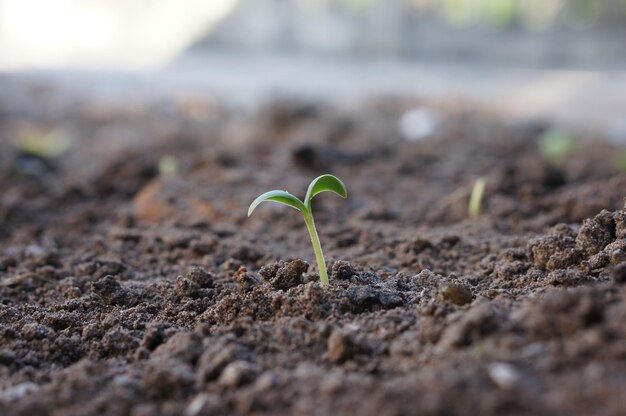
(126, 293)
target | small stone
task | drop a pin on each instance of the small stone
(238, 373)
(504, 375)
(455, 293)
(123, 380)
(341, 346)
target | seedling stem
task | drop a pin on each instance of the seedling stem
(317, 248)
(476, 197)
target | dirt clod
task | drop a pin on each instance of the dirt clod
(596, 233)
(245, 280)
(194, 284)
(342, 270)
(341, 346)
(111, 291)
(455, 293)
(284, 275)
(558, 250)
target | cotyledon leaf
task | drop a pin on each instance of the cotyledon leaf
(282, 197)
(325, 183)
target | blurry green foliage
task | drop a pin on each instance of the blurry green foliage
(168, 166)
(499, 13)
(534, 15)
(476, 198)
(458, 12)
(620, 160)
(46, 146)
(555, 145)
(582, 13)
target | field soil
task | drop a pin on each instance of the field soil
(129, 290)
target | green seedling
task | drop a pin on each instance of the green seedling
(556, 145)
(476, 197)
(168, 167)
(318, 185)
(620, 160)
(46, 146)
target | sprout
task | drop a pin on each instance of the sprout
(556, 145)
(318, 185)
(476, 198)
(168, 167)
(45, 146)
(620, 160)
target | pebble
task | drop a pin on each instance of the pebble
(19, 391)
(341, 347)
(504, 375)
(455, 293)
(237, 373)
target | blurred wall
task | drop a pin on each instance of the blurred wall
(510, 32)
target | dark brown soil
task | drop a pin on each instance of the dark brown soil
(126, 293)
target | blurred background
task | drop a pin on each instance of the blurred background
(150, 33)
(561, 60)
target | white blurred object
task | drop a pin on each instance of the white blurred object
(419, 123)
(121, 34)
(504, 375)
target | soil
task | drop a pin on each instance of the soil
(126, 292)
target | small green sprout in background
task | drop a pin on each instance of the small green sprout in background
(318, 185)
(45, 146)
(620, 160)
(476, 197)
(555, 145)
(168, 167)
